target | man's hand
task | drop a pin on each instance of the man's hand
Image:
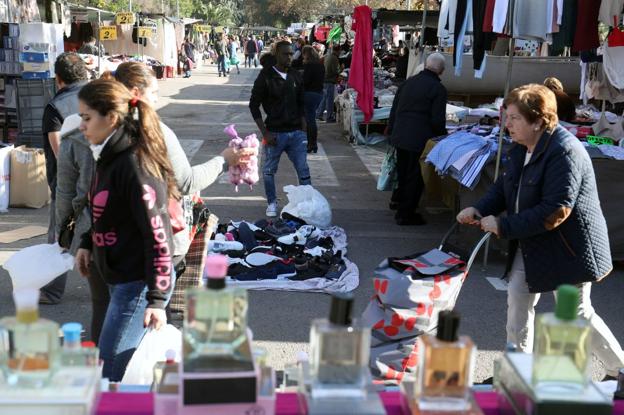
(155, 318)
(82, 261)
(491, 224)
(268, 139)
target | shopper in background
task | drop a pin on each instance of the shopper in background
(252, 51)
(189, 51)
(418, 114)
(566, 110)
(89, 47)
(71, 75)
(557, 232)
(233, 47)
(221, 48)
(313, 77)
(332, 72)
(279, 90)
(130, 240)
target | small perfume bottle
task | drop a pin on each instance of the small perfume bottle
(561, 352)
(215, 323)
(74, 353)
(446, 362)
(166, 374)
(29, 345)
(339, 353)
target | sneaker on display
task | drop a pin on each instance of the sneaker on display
(221, 246)
(300, 237)
(271, 210)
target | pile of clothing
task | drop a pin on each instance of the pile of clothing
(285, 253)
(463, 155)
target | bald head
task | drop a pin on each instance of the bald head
(435, 63)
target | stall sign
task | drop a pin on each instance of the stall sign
(80, 16)
(146, 31)
(202, 28)
(108, 32)
(124, 18)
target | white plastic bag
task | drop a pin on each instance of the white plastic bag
(307, 203)
(152, 349)
(37, 265)
(5, 177)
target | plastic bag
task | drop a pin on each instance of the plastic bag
(5, 175)
(151, 350)
(388, 178)
(308, 204)
(248, 173)
(37, 265)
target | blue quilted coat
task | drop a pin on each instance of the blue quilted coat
(560, 227)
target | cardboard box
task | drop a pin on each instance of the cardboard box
(37, 66)
(34, 57)
(36, 75)
(29, 186)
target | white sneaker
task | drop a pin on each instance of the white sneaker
(271, 210)
(220, 246)
(300, 237)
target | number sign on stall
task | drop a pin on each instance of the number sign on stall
(146, 31)
(108, 32)
(125, 18)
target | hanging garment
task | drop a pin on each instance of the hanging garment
(482, 41)
(361, 73)
(463, 16)
(500, 16)
(488, 17)
(586, 36)
(559, 5)
(565, 36)
(610, 9)
(613, 57)
(532, 19)
(616, 37)
(599, 87)
(446, 20)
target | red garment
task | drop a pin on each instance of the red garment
(488, 19)
(361, 74)
(321, 33)
(586, 36)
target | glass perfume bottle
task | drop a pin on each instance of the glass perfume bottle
(166, 374)
(561, 352)
(73, 352)
(446, 362)
(29, 345)
(340, 350)
(215, 324)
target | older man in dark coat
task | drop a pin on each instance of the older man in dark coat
(418, 114)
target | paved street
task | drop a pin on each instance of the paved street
(197, 109)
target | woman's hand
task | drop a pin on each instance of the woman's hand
(491, 224)
(154, 317)
(469, 216)
(82, 261)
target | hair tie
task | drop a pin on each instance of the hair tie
(133, 102)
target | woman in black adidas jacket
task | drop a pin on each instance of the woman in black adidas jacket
(130, 239)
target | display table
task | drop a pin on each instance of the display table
(120, 403)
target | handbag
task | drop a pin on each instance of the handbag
(66, 234)
(388, 177)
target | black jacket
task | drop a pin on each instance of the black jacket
(313, 77)
(418, 112)
(281, 100)
(130, 235)
(560, 226)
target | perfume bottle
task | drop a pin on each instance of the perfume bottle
(446, 363)
(340, 350)
(215, 324)
(166, 374)
(73, 353)
(29, 345)
(561, 352)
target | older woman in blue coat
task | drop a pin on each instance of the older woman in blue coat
(557, 232)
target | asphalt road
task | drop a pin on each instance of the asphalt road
(197, 109)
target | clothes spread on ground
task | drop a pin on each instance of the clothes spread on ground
(614, 152)
(286, 254)
(462, 155)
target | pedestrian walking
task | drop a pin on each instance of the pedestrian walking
(332, 72)
(189, 52)
(557, 232)
(279, 91)
(222, 53)
(71, 75)
(233, 52)
(418, 113)
(313, 77)
(252, 51)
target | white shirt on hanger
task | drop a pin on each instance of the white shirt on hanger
(500, 15)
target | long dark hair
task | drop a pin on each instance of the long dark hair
(107, 96)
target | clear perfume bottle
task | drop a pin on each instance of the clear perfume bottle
(29, 345)
(340, 350)
(446, 362)
(166, 379)
(561, 352)
(215, 324)
(73, 353)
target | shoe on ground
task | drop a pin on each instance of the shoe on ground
(271, 210)
(416, 220)
(312, 149)
(222, 246)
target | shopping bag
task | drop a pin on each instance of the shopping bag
(151, 350)
(308, 204)
(395, 361)
(5, 177)
(37, 265)
(28, 178)
(388, 179)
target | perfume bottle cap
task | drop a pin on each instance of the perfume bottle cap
(71, 332)
(340, 311)
(26, 299)
(216, 266)
(448, 326)
(567, 302)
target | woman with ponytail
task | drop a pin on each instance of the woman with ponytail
(130, 240)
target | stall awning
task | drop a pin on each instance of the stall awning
(408, 17)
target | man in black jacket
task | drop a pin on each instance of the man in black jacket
(418, 113)
(280, 92)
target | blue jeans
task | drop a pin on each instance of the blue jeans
(311, 103)
(123, 327)
(221, 65)
(327, 104)
(295, 144)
